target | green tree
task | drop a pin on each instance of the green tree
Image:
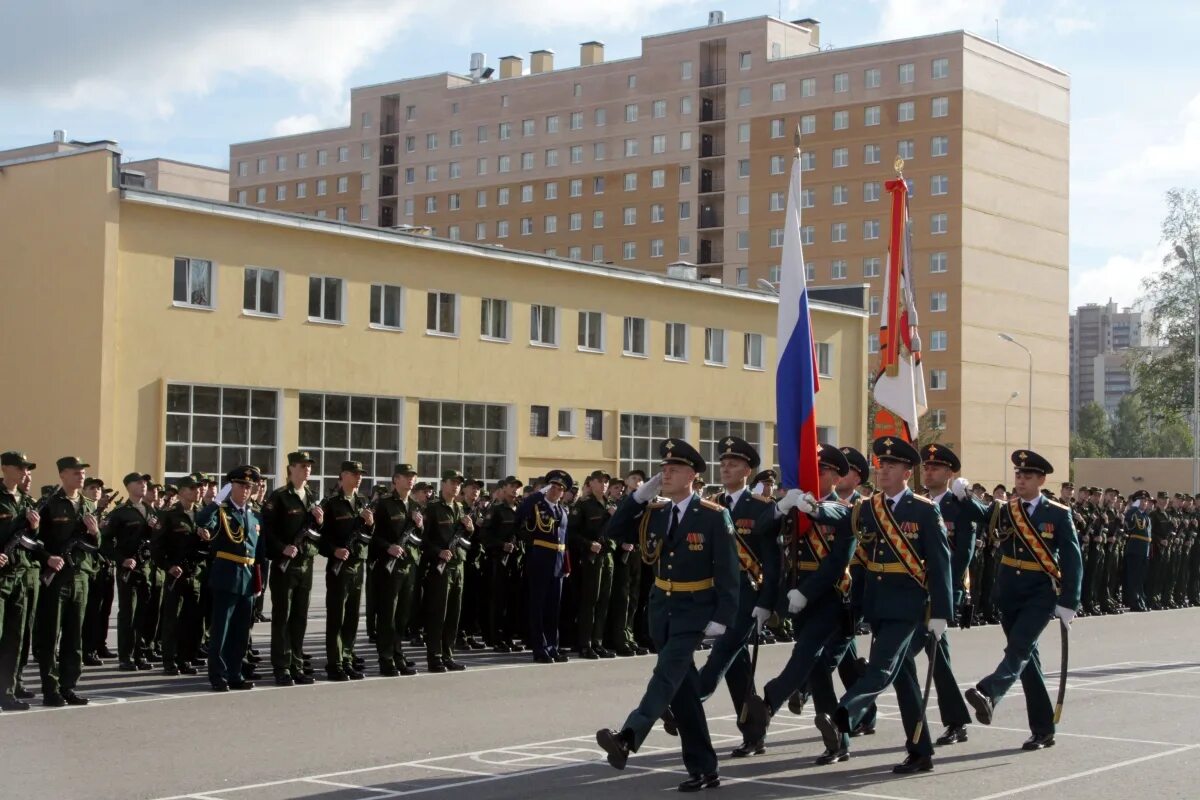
(1129, 429)
(1169, 438)
(1092, 438)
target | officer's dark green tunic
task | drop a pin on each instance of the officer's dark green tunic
(13, 596)
(341, 528)
(587, 526)
(443, 589)
(395, 577)
(286, 514)
(128, 528)
(177, 544)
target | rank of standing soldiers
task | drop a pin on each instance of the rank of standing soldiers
(450, 567)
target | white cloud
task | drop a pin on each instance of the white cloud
(296, 123)
(1118, 279)
(1176, 159)
(902, 18)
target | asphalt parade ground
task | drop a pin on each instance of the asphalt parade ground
(508, 728)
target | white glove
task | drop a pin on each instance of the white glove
(760, 615)
(648, 490)
(960, 487)
(758, 489)
(1064, 613)
(796, 601)
(544, 489)
(713, 629)
(937, 627)
(224, 493)
(800, 500)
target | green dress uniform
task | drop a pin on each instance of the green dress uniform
(587, 526)
(237, 549)
(1162, 524)
(444, 530)
(13, 600)
(1137, 551)
(128, 528)
(1040, 569)
(626, 591)
(179, 544)
(690, 545)
(343, 527)
(288, 520)
(33, 586)
(395, 577)
(63, 598)
(907, 582)
(503, 571)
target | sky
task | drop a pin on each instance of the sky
(184, 80)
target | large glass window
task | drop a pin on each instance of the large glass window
(640, 437)
(713, 431)
(339, 427)
(470, 437)
(213, 429)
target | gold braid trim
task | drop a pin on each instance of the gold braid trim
(648, 557)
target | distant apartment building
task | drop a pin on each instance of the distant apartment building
(682, 154)
(1101, 338)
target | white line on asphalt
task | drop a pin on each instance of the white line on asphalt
(436, 767)
(1132, 691)
(813, 790)
(1153, 673)
(1060, 734)
(1086, 773)
(346, 786)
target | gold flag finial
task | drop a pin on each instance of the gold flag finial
(898, 165)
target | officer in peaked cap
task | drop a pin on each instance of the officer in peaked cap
(1138, 530)
(544, 521)
(689, 544)
(593, 550)
(448, 526)
(1040, 577)
(832, 459)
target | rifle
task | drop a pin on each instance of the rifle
(132, 575)
(459, 541)
(360, 537)
(409, 539)
(306, 534)
(76, 543)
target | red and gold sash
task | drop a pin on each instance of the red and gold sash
(1032, 541)
(749, 561)
(820, 548)
(899, 545)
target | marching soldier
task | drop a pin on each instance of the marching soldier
(291, 517)
(447, 526)
(592, 551)
(1137, 549)
(544, 522)
(346, 525)
(394, 558)
(689, 544)
(178, 549)
(71, 535)
(504, 554)
(962, 515)
(129, 527)
(757, 544)
(908, 588)
(16, 518)
(1039, 578)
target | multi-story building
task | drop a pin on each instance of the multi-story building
(682, 154)
(172, 334)
(1101, 338)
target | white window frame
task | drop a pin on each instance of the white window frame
(453, 333)
(537, 312)
(569, 431)
(675, 332)
(188, 289)
(627, 336)
(487, 318)
(341, 320)
(254, 312)
(586, 321)
(751, 341)
(714, 339)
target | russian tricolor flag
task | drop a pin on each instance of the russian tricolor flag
(796, 382)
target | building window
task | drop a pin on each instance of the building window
(281, 192)
(778, 202)
(743, 167)
(808, 161)
(543, 327)
(808, 124)
(526, 161)
(260, 195)
(676, 341)
(938, 341)
(576, 122)
(871, 191)
(808, 198)
(631, 112)
(629, 250)
(741, 276)
(871, 267)
(591, 331)
(825, 359)
(337, 427)
(810, 268)
(905, 149)
(260, 292)
(743, 96)
(241, 196)
(939, 185)
(714, 431)
(714, 346)
(262, 166)
(938, 262)
(752, 351)
(243, 169)
(550, 223)
(744, 60)
(213, 429)
(640, 436)
(365, 151)
(841, 82)
(658, 144)
(872, 78)
(552, 158)
(469, 437)
(841, 194)
(778, 165)
(743, 240)
(685, 106)
(566, 422)
(939, 223)
(441, 313)
(937, 419)
(871, 154)
(841, 157)
(778, 92)
(322, 158)
(685, 140)
(301, 160)
(837, 232)
(906, 112)
(493, 319)
(598, 183)
(841, 120)
(872, 343)
(874, 305)
(941, 68)
(940, 107)
(600, 117)
(193, 283)
(685, 70)
(326, 299)
(870, 229)
(598, 218)
(743, 204)
(938, 378)
(387, 306)
(871, 115)
(502, 229)
(907, 73)
(939, 146)
(808, 236)
(539, 421)
(632, 82)
(344, 153)
(658, 212)
(633, 342)
(938, 301)
(838, 270)
(504, 164)
(658, 178)
(593, 425)
(808, 87)
(631, 148)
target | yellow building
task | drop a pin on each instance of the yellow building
(169, 334)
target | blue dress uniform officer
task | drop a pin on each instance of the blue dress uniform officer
(962, 515)
(1039, 577)
(906, 591)
(544, 522)
(689, 544)
(236, 550)
(758, 555)
(1137, 549)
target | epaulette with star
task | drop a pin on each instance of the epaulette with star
(710, 505)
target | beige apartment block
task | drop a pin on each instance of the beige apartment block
(682, 154)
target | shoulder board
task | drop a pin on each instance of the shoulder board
(1054, 504)
(656, 505)
(710, 505)
(922, 498)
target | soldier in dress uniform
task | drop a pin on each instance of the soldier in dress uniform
(545, 524)
(17, 519)
(592, 551)
(129, 528)
(963, 515)
(179, 548)
(346, 527)
(690, 545)
(1137, 549)
(236, 547)
(908, 591)
(291, 519)
(447, 526)
(1162, 524)
(504, 553)
(756, 536)
(1040, 578)
(627, 575)
(394, 557)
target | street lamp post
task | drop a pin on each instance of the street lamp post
(1011, 340)
(1004, 455)
(1187, 262)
